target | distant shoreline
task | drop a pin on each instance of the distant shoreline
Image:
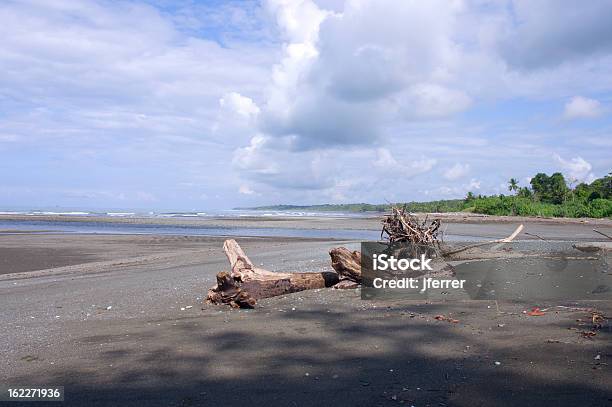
(366, 222)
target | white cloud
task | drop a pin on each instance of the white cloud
(239, 104)
(473, 184)
(347, 82)
(461, 190)
(580, 107)
(384, 159)
(125, 68)
(577, 169)
(386, 162)
(245, 190)
(267, 163)
(253, 158)
(431, 101)
(308, 104)
(457, 171)
(8, 138)
(136, 84)
(278, 171)
(344, 75)
(546, 33)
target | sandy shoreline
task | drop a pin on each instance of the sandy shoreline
(118, 319)
(33, 255)
(24, 251)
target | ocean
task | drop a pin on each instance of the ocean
(91, 224)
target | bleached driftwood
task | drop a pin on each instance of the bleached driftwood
(504, 240)
(602, 233)
(348, 266)
(246, 284)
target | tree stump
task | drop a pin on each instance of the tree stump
(348, 266)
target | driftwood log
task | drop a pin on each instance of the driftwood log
(508, 239)
(348, 266)
(245, 283)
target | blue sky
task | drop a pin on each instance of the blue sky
(195, 105)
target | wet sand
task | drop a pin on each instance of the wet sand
(54, 253)
(457, 226)
(119, 320)
(366, 222)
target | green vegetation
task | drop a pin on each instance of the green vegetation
(452, 205)
(549, 196)
(357, 207)
(545, 196)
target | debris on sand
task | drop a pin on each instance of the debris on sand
(442, 317)
(598, 320)
(536, 312)
(588, 334)
(593, 247)
(245, 284)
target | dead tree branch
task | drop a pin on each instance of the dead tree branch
(504, 240)
(602, 233)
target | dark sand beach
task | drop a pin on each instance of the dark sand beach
(119, 320)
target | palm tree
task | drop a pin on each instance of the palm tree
(513, 185)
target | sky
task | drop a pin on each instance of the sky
(197, 105)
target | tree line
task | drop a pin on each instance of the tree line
(548, 196)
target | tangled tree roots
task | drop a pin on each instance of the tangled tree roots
(401, 226)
